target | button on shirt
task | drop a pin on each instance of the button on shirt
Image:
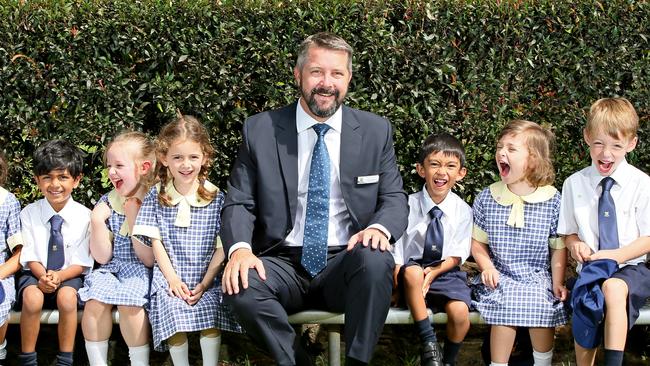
(456, 223)
(579, 208)
(75, 230)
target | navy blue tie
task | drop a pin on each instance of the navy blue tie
(55, 253)
(314, 246)
(607, 228)
(434, 239)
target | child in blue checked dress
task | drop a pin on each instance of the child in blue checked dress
(11, 243)
(180, 218)
(122, 278)
(515, 244)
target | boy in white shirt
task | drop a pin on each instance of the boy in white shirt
(436, 242)
(55, 252)
(605, 213)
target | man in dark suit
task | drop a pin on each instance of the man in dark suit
(314, 201)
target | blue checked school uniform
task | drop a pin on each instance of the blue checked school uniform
(124, 280)
(188, 231)
(519, 230)
(10, 238)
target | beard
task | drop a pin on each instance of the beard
(317, 110)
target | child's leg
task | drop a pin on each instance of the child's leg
(584, 356)
(413, 280)
(502, 338)
(179, 349)
(616, 292)
(97, 325)
(457, 328)
(135, 329)
(66, 303)
(542, 341)
(30, 318)
(3, 342)
(210, 341)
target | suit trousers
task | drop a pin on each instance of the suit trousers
(357, 283)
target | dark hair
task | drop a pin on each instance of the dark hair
(445, 143)
(58, 154)
(4, 168)
(323, 40)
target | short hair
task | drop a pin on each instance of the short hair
(445, 143)
(4, 168)
(323, 40)
(58, 155)
(540, 143)
(613, 116)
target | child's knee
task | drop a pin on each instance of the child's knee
(178, 339)
(32, 299)
(66, 299)
(413, 275)
(211, 333)
(615, 291)
(458, 313)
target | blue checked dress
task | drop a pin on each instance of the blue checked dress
(524, 296)
(9, 238)
(190, 248)
(124, 280)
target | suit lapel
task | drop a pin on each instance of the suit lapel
(351, 140)
(287, 145)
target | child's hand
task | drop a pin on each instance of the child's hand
(54, 278)
(490, 277)
(580, 251)
(132, 206)
(429, 276)
(45, 284)
(606, 254)
(196, 294)
(100, 213)
(179, 289)
(560, 292)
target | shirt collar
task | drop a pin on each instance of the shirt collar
(184, 203)
(117, 204)
(304, 121)
(503, 196)
(619, 175)
(426, 203)
(67, 212)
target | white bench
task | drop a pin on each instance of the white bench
(333, 321)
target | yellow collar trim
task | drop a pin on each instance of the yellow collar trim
(117, 204)
(184, 203)
(505, 197)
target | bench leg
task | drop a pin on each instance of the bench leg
(334, 345)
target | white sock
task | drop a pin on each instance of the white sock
(3, 349)
(498, 364)
(139, 356)
(543, 358)
(97, 353)
(180, 354)
(210, 350)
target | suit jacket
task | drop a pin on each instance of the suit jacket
(260, 207)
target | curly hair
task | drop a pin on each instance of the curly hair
(541, 145)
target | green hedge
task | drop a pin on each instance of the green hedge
(83, 70)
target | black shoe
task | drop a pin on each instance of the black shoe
(449, 364)
(431, 354)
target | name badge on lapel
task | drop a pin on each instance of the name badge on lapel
(368, 179)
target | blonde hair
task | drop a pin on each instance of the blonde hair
(613, 116)
(541, 144)
(183, 127)
(143, 150)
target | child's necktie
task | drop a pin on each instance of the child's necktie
(607, 227)
(55, 253)
(434, 238)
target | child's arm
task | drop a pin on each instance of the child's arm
(101, 247)
(131, 209)
(176, 286)
(579, 250)
(431, 273)
(12, 265)
(635, 249)
(208, 279)
(558, 268)
(481, 254)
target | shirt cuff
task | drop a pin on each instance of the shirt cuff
(556, 243)
(14, 241)
(238, 245)
(381, 228)
(479, 235)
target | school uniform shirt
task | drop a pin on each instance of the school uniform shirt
(456, 224)
(188, 231)
(10, 238)
(124, 280)
(579, 208)
(35, 222)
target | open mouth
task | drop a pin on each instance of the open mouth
(439, 182)
(605, 166)
(118, 183)
(504, 169)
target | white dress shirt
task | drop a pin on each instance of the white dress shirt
(35, 222)
(579, 208)
(456, 223)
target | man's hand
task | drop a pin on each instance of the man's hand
(580, 251)
(372, 236)
(237, 268)
(490, 277)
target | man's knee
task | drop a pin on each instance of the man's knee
(376, 264)
(247, 297)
